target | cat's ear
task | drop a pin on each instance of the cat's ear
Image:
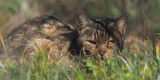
(121, 23)
(82, 20)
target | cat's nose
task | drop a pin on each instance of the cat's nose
(102, 53)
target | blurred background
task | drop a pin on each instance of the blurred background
(144, 15)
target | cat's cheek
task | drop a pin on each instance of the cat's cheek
(108, 54)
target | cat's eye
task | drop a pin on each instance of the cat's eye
(111, 42)
(91, 41)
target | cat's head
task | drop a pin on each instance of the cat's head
(101, 35)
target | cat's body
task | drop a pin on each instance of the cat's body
(45, 33)
(98, 36)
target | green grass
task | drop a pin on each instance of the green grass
(139, 64)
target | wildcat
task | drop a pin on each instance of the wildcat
(93, 36)
(99, 35)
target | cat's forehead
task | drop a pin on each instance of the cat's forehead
(104, 32)
(103, 20)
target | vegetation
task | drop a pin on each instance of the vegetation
(136, 63)
(142, 64)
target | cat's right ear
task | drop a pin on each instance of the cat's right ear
(82, 20)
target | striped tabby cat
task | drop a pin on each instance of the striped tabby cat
(98, 36)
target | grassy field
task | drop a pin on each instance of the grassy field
(137, 62)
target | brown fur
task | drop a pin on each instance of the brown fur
(94, 35)
(45, 32)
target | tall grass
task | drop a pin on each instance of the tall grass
(138, 64)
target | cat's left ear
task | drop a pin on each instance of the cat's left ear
(121, 23)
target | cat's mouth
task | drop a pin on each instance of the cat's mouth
(105, 55)
(102, 58)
